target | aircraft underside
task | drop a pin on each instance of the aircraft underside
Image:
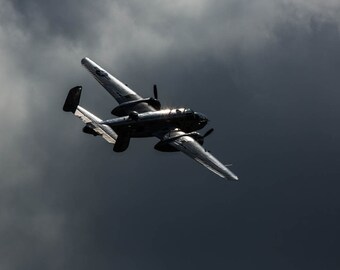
(140, 130)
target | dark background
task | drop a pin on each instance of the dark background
(266, 73)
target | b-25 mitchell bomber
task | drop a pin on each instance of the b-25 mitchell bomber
(138, 117)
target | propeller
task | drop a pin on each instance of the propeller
(208, 132)
(155, 92)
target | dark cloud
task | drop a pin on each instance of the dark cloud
(265, 74)
(50, 19)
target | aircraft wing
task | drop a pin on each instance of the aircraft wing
(116, 88)
(92, 122)
(121, 92)
(193, 149)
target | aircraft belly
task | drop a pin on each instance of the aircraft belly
(142, 130)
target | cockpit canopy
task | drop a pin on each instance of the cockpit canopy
(188, 111)
(182, 111)
(197, 115)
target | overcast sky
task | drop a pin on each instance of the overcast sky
(266, 73)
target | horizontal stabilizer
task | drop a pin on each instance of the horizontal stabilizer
(72, 100)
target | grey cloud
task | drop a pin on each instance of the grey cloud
(266, 75)
(48, 19)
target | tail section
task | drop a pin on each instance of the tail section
(122, 142)
(72, 100)
(93, 123)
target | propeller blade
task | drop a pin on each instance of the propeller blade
(155, 92)
(208, 132)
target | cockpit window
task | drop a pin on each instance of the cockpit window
(188, 111)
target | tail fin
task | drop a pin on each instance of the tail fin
(72, 100)
(93, 122)
(122, 142)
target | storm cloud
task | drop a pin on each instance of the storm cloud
(264, 72)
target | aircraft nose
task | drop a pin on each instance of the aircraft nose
(201, 117)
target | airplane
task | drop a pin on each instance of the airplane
(138, 117)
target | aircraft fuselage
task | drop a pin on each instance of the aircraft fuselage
(150, 123)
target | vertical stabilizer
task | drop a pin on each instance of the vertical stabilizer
(72, 100)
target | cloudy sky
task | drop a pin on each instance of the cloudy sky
(265, 72)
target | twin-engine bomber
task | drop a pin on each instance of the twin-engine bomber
(138, 117)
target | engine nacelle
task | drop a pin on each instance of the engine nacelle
(165, 147)
(133, 115)
(129, 105)
(197, 137)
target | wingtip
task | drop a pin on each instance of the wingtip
(84, 60)
(232, 177)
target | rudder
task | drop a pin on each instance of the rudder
(72, 99)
